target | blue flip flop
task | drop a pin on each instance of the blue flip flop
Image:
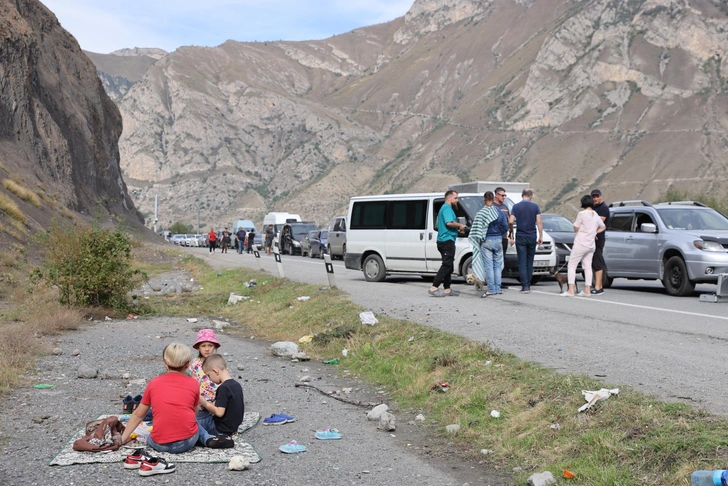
(328, 434)
(292, 448)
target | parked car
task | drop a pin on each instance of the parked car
(201, 240)
(291, 235)
(562, 231)
(190, 240)
(397, 233)
(177, 239)
(318, 243)
(336, 244)
(258, 240)
(680, 243)
(306, 242)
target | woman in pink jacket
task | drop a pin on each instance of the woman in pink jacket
(587, 225)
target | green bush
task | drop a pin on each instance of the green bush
(179, 228)
(90, 266)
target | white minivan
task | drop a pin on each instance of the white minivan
(397, 233)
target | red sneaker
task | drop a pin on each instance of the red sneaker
(156, 465)
(135, 459)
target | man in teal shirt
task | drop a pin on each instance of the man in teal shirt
(447, 233)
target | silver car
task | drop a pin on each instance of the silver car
(680, 243)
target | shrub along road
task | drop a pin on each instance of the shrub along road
(633, 335)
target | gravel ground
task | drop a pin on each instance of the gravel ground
(364, 456)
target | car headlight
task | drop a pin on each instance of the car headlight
(708, 245)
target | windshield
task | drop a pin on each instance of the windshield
(324, 234)
(473, 204)
(693, 219)
(299, 231)
(557, 223)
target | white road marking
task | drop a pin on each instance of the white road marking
(599, 299)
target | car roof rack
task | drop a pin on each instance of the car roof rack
(633, 202)
(684, 203)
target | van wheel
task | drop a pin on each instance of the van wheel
(675, 278)
(467, 267)
(373, 268)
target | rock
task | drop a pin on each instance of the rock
(541, 479)
(38, 420)
(220, 324)
(377, 411)
(386, 422)
(420, 418)
(485, 452)
(76, 352)
(238, 463)
(57, 351)
(346, 390)
(126, 376)
(452, 428)
(138, 382)
(240, 367)
(305, 379)
(157, 288)
(105, 375)
(87, 372)
(284, 348)
(301, 356)
(192, 319)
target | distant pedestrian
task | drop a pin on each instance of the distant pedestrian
(447, 233)
(251, 239)
(527, 214)
(240, 239)
(598, 261)
(588, 225)
(225, 240)
(212, 240)
(485, 237)
(500, 203)
(269, 235)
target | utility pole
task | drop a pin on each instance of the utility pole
(156, 207)
(198, 209)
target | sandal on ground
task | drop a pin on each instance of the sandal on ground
(328, 434)
(292, 448)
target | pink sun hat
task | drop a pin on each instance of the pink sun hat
(206, 336)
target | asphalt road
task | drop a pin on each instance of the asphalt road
(635, 334)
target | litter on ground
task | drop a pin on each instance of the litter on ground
(593, 397)
(368, 318)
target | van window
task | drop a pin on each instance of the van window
(620, 222)
(410, 215)
(460, 212)
(369, 215)
(340, 225)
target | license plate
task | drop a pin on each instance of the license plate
(541, 263)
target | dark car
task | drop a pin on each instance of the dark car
(318, 243)
(291, 236)
(306, 243)
(562, 231)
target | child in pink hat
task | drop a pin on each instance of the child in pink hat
(206, 345)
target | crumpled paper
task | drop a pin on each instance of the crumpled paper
(368, 318)
(593, 397)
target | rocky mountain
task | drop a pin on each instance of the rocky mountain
(59, 131)
(120, 69)
(627, 95)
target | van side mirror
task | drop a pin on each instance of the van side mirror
(648, 228)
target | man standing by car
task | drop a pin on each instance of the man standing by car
(598, 260)
(528, 216)
(269, 235)
(240, 237)
(447, 233)
(500, 203)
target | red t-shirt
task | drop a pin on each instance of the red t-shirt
(212, 235)
(173, 398)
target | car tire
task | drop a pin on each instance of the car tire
(373, 268)
(310, 253)
(343, 252)
(675, 279)
(467, 267)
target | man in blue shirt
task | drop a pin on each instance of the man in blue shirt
(528, 216)
(447, 233)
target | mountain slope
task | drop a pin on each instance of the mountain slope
(564, 94)
(59, 130)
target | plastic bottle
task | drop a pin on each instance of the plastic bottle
(331, 361)
(719, 477)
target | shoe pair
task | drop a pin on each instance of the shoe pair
(148, 465)
(278, 419)
(130, 404)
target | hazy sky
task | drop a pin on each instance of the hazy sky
(104, 25)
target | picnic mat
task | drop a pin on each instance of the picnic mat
(68, 456)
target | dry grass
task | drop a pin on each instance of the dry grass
(22, 192)
(9, 207)
(18, 349)
(67, 213)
